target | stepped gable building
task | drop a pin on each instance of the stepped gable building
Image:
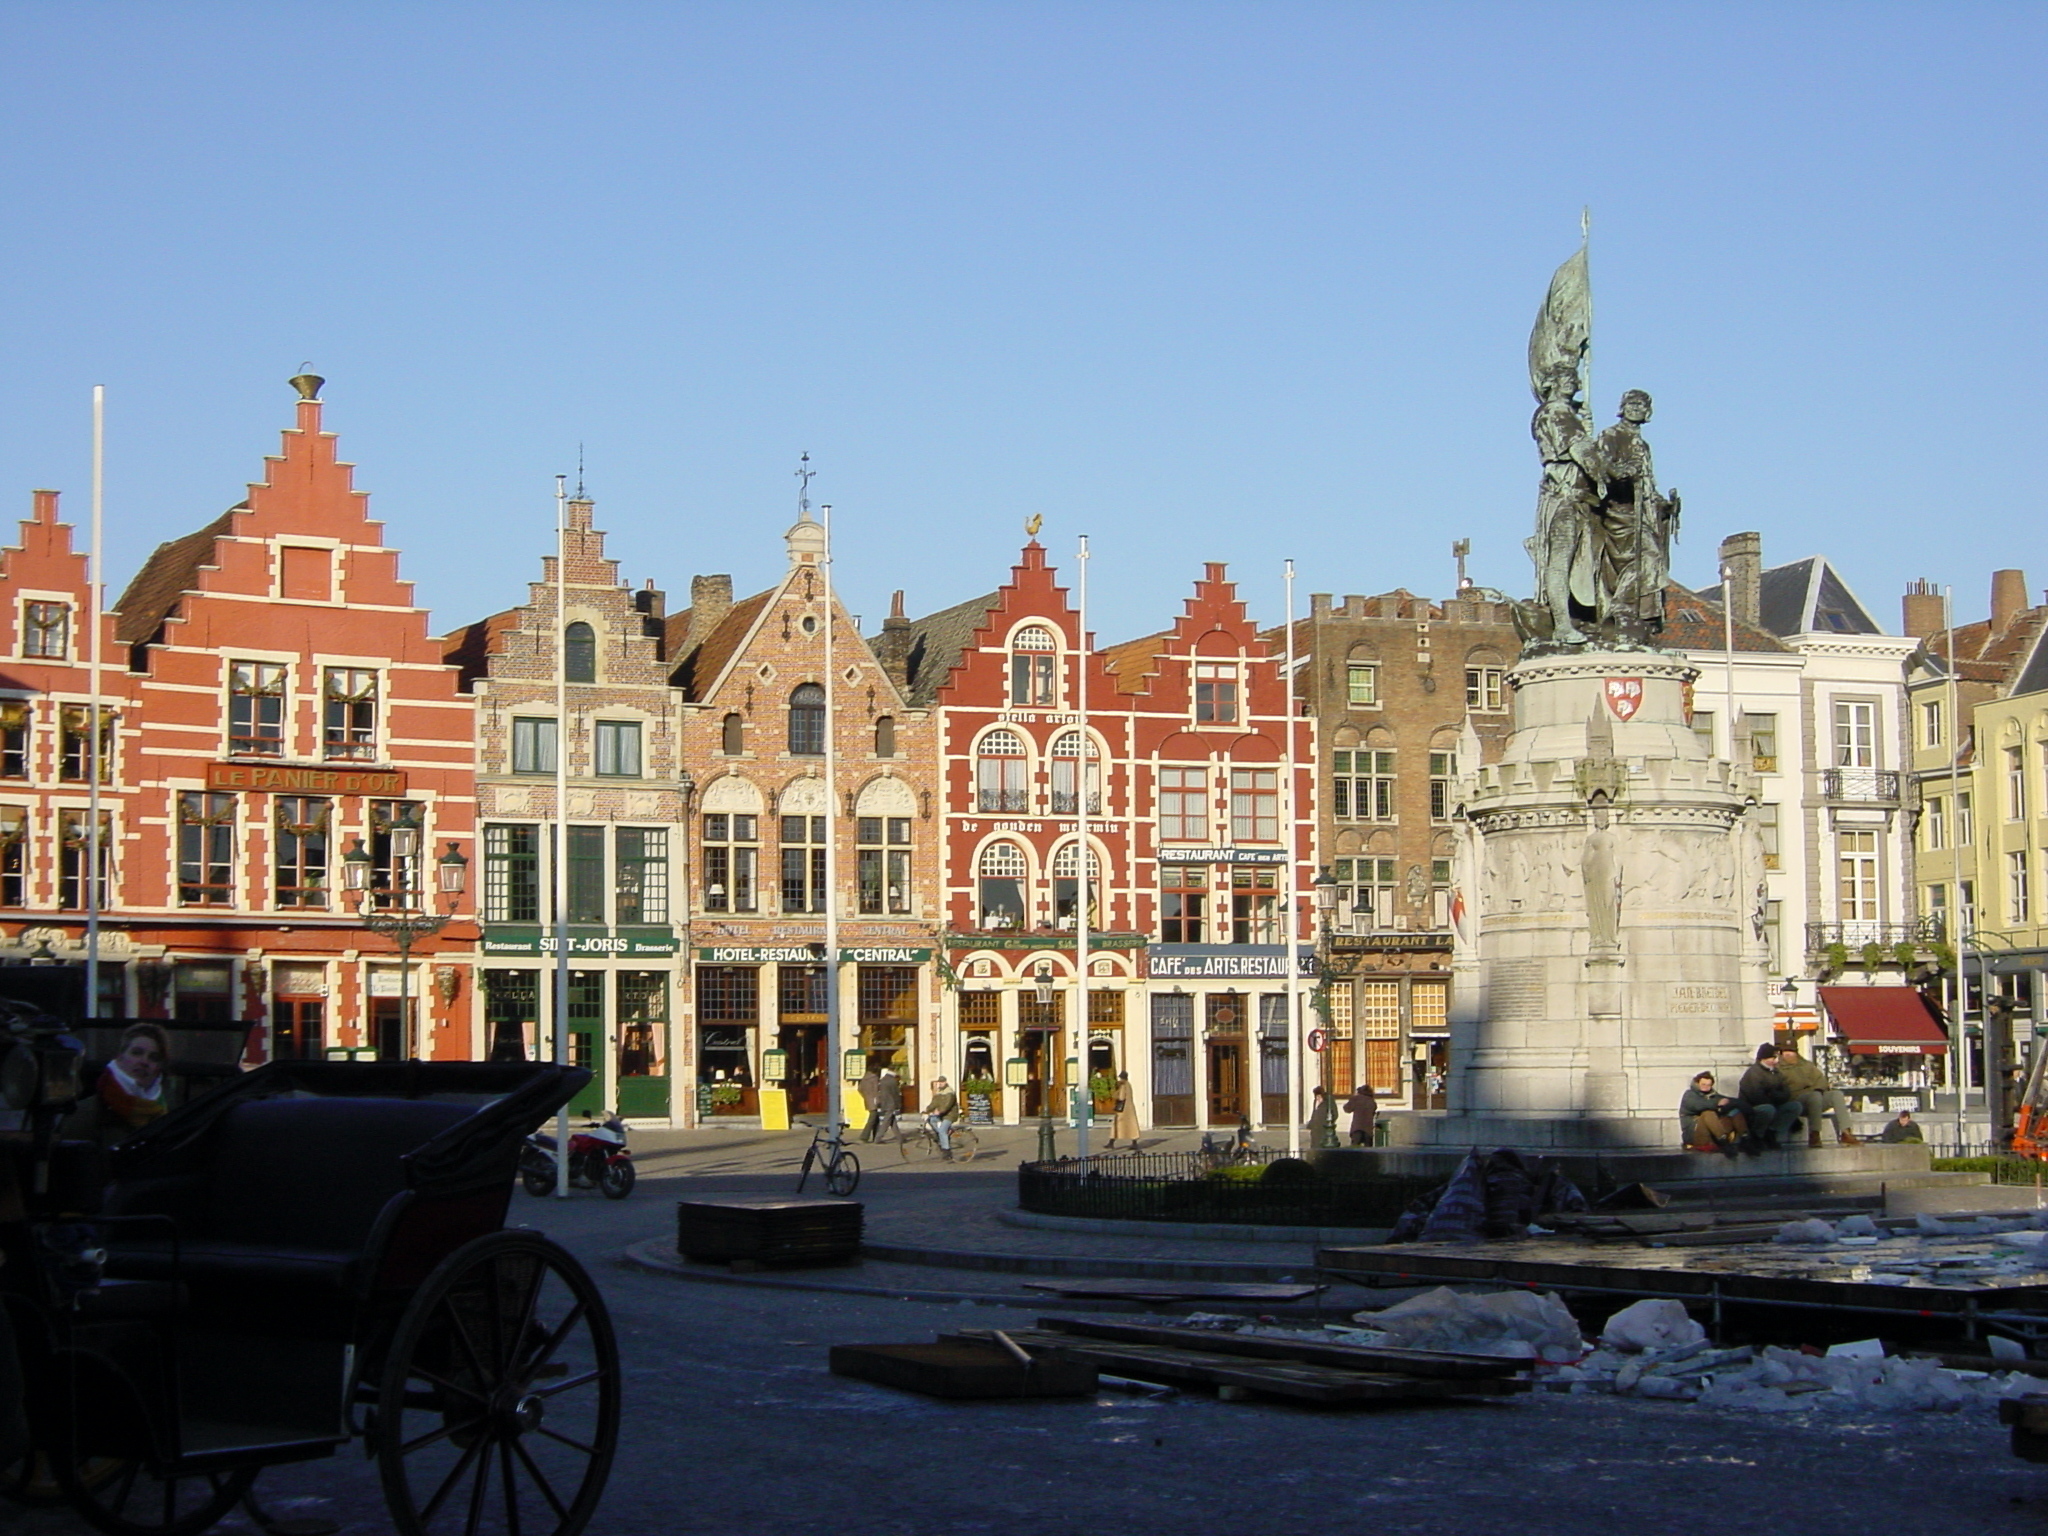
(752, 678)
(289, 707)
(626, 806)
(1176, 766)
(1398, 686)
(46, 701)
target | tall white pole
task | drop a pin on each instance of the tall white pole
(1295, 1058)
(835, 1089)
(559, 840)
(1728, 657)
(95, 897)
(1084, 885)
(1958, 1043)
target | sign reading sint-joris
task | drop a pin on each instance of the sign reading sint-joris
(530, 939)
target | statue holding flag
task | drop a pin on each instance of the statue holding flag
(1602, 546)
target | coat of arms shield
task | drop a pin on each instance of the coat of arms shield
(1624, 696)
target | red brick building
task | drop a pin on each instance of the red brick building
(1188, 821)
(282, 703)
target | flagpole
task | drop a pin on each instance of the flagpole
(95, 897)
(835, 1089)
(1289, 931)
(559, 851)
(1084, 886)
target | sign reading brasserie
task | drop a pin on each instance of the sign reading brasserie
(1222, 855)
(532, 939)
(289, 779)
(1233, 962)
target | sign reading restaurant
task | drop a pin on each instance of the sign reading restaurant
(1221, 856)
(285, 779)
(1227, 962)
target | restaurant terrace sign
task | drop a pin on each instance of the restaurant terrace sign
(291, 779)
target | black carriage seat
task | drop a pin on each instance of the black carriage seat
(289, 1208)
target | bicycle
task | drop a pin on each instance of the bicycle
(828, 1150)
(923, 1141)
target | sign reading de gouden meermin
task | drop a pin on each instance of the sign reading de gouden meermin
(1624, 696)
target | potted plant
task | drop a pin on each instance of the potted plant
(1102, 1089)
(1873, 955)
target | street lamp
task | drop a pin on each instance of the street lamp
(1325, 888)
(409, 918)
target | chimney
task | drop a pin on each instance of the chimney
(710, 602)
(1921, 610)
(2008, 598)
(45, 504)
(892, 650)
(653, 602)
(1742, 577)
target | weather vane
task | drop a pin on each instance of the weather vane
(804, 474)
(1032, 526)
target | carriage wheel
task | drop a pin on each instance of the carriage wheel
(498, 1410)
(129, 1498)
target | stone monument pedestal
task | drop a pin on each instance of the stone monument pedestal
(1619, 944)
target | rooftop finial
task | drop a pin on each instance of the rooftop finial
(579, 496)
(804, 475)
(1033, 524)
(307, 382)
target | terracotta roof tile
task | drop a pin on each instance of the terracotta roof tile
(1694, 622)
(698, 673)
(168, 574)
(1130, 662)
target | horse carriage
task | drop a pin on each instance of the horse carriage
(310, 1254)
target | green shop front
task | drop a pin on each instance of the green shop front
(621, 992)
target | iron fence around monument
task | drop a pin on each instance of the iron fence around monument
(1241, 1189)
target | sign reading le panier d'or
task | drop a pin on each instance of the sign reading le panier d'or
(296, 779)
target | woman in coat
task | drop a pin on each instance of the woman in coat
(1123, 1125)
(130, 1092)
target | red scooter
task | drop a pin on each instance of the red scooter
(598, 1157)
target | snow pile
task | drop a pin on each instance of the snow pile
(1651, 1325)
(1520, 1325)
(1772, 1380)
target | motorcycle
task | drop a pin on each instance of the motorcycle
(598, 1156)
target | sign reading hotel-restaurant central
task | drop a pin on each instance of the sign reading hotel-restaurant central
(286, 778)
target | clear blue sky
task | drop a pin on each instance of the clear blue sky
(1203, 281)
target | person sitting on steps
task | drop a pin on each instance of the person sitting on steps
(1712, 1122)
(1772, 1108)
(1809, 1085)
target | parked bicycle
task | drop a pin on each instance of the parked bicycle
(921, 1140)
(828, 1151)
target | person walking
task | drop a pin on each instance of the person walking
(1123, 1123)
(870, 1090)
(1364, 1108)
(1322, 1120)
(888, 1100)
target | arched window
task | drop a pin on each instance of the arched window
(885, 736)
(579, 653)
(734, 740)
(1000, 770)
(1002, 886)
(1066, 762)
(1034, 666)
(807, 721)
(1066, 885)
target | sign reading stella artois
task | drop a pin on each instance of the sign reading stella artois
(1624, 696)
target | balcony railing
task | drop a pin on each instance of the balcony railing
(1063, 803)
(1003, 799)
(1921, 931)
(1860, 786)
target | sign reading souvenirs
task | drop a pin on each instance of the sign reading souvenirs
(1222, 855)
(1624, 696)
(285, 779)
(809, 954)
(532, 939)
(1196, 962)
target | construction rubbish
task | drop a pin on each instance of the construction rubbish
(1493, 1194)
(1653, 1349)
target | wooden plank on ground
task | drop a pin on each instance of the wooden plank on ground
(1306, 1351)
(1175, 1290)
(1298, 1383)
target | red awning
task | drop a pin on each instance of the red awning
(1873, 1021)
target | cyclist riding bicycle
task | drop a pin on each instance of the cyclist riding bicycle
(940, 1113)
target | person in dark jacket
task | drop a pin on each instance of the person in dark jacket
(1710, 1121)
(1771, 1107)
(1322, 1120)
(1902, 1129)
(1364, 1108)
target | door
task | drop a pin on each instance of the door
(807, 1084)
(298, 1029)
(1173, 1066)
(1044, 1081)
(1273, 1058)
(1226, 1058)
(387, 1029)
(586, 1029)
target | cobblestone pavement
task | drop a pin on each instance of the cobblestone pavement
(733, 1424)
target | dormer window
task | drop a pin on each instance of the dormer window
(1216, 692)
(46, 631)
(1034, 665)
(579, 653)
